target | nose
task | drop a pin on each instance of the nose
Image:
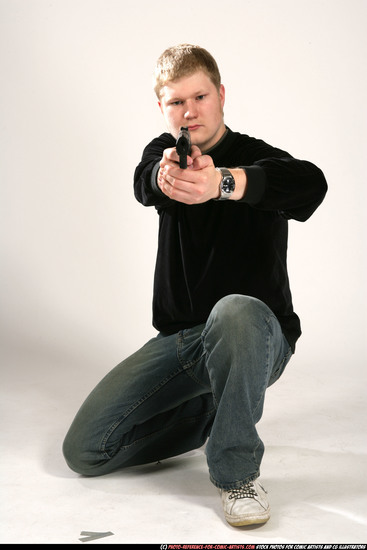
(191, 110)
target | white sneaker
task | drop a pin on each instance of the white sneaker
(246, 505)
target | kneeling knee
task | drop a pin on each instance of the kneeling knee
(74, 458)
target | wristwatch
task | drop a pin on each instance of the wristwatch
(227, 184)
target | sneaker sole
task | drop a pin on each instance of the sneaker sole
(246, 520)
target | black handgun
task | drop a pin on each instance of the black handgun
(183, 146)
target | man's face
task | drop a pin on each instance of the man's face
(195, 102)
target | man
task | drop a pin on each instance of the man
(222, 302)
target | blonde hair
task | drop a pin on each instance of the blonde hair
(184, 60)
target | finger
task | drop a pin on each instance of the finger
(202, 161)
(163, 183)
(195, 152)
(170, 157)
(167, 183)
(175, 174)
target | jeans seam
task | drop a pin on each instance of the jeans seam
(132, 407)
(206, 353)
(188, 420)
(180, 343)
(263, 390)
(189, 372)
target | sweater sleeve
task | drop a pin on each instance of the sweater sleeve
(146, 189)
(277, 181)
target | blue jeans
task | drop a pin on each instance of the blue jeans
(178, 390)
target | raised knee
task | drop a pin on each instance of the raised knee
(238, 307)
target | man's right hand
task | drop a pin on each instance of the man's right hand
(196, 184)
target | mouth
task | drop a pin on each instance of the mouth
(194, 127)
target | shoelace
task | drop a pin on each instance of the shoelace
(246, 491)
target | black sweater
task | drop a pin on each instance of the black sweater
(217, 248)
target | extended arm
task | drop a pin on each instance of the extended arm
(266, 178)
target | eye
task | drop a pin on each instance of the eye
(178, 102)
(200, 97)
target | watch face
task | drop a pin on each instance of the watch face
(228, 184)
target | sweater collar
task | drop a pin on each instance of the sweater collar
(218, 142)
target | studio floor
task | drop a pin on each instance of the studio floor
(314, 467)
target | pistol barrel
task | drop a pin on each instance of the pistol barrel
(183, 146)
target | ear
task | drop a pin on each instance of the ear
(222, 95)
(160, 106)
